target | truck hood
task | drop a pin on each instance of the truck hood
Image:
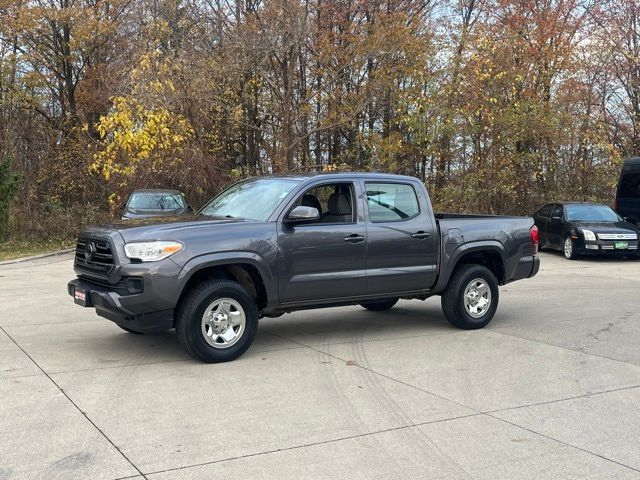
(161, 228)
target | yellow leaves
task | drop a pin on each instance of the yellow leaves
(131, 134)
(141, 129)
(335, 167)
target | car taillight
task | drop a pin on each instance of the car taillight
(535, 239)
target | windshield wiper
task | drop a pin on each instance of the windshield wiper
(220, 215)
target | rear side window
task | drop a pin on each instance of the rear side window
(389, 202)
(545, 211)
(630, 185)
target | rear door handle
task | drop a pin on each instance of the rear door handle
(354, 238)
(420, 234)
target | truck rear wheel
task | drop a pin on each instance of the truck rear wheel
(380, 306)
(217, 321)
(471, 298)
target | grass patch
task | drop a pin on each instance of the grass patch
(12, 249)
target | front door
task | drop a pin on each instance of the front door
(323, 260)
(402, 239)
(555, 227)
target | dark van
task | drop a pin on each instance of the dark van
(628, 193)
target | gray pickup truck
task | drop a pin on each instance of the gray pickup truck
(272, 245)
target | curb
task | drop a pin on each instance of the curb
(36, 257)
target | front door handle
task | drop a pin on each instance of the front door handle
(420, 234)
(354, 238)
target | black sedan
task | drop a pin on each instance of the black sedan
(585, 228)
(155, 203)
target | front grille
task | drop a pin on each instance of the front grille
(617, 236)
(94, 255)
(611, 246)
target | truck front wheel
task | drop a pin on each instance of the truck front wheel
(217, 321)
(471, 298)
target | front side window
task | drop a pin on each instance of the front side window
(557, 212)
(254, 199)
(333, 201)
(389, 202)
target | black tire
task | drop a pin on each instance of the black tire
(380, 306)
(453, 297)
(129, 330)
(189, 320)
(572, 254)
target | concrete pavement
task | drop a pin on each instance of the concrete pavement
(550, 390)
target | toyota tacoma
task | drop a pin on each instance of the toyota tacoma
(273, 245)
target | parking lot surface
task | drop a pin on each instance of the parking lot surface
(550, 390)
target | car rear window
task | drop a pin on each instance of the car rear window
(156, 201)
(630, 185)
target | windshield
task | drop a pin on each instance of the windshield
(591, 213)
(252, 199)
(156, 201)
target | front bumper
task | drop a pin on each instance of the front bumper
(606, 247)
(121, 309)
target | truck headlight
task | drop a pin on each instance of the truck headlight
(589, 235)
(151, 251)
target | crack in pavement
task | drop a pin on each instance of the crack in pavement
(74, 404)
(488, 414)
(563, 347)
(312, 444)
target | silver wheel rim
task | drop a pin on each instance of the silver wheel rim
(223, 323)
(477, 297)
(568, 247)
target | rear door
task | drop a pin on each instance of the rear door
(323, 260)
(541, 218)
(401, 237)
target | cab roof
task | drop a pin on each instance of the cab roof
(337, 175)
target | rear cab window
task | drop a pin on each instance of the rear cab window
(391, 202)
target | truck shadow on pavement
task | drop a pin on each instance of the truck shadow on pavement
(355, 324)
(310, 328)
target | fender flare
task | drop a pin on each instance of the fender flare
(201, 262)
(450, 260)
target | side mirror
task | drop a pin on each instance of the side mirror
(302, 214)
(189, 209)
